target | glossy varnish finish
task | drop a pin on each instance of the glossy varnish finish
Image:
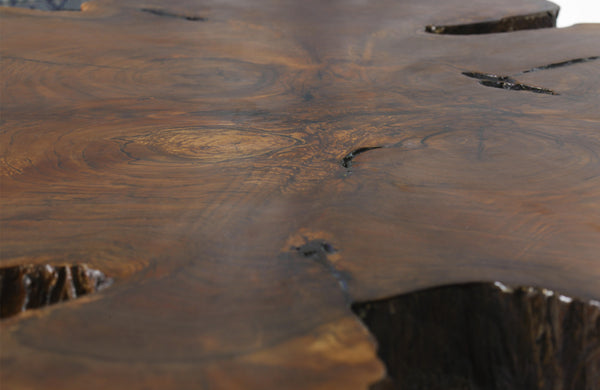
(245, 171)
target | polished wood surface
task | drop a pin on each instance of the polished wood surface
(244, 171)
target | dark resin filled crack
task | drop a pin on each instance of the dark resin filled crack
(347, 160)
(560, 64)
(506, 82)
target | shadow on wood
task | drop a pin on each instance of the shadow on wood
(486, 336)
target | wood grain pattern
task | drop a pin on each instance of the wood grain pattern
(192, 151)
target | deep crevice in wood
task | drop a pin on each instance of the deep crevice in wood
(28, 287)
(485, 336)
(347, 160)
(169, 14)
(561, 64)
(506, 82)
(512, 23)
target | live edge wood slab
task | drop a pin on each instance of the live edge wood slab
(246, 174)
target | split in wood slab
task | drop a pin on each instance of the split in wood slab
(507, 24)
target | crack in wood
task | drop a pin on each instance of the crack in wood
(26, 287)
(506, 82)
(347, 159)
(169, 14)
(485, 336)
(512, 23)
(560, 64)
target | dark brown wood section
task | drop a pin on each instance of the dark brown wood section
(485, 336)
(244, 171)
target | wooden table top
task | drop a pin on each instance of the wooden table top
(243, 171)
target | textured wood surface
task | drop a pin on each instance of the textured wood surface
(214, 159)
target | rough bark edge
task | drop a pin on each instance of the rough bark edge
(27, 287)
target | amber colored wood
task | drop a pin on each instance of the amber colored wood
(214, 159)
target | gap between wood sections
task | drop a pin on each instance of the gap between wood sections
(509, 83)
(546, 19)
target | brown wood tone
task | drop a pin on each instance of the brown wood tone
(245, 171)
